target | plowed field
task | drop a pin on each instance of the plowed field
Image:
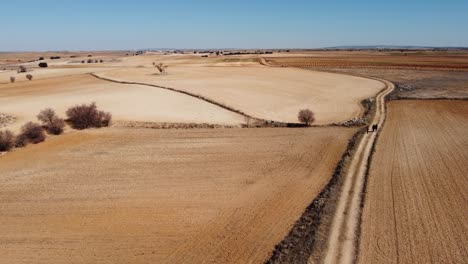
(417, 201)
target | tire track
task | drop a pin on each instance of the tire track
(342, 243)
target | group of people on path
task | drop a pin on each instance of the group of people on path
(373, 128)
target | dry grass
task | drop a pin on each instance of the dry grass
(152, 196)
(416, 205)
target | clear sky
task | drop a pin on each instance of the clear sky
(117, 24)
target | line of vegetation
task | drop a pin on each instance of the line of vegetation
(78, 117)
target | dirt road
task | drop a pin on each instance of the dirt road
(342, 240)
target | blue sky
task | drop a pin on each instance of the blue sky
(106, 25)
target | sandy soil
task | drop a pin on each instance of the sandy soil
(161, 196)
(416, 206)
(265, 92)
(125, 102)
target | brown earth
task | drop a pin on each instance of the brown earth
(369, 59)
(418, 84)
(161, 196)
(416, 202)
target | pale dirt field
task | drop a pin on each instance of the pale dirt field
(161, 196)
(265, 92)
(125, 102)
(46, 73)
(417, 202)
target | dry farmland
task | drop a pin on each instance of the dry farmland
(264, 92)
(436, 60)
(416, 203)
(161, 196)
(126, 102)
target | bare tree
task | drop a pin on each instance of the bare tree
(161, 67)
(12, 79)
(51, 122)
(29, 76)
(306, 116)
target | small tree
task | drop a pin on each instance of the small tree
(12, 79)
(306, 116)
(51, 122)
(161, 67)
(6, 140)
(33, 132)
(29, 76)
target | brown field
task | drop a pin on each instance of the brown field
(373, 59)
(416, 202)
(417, 84)
(161, 196)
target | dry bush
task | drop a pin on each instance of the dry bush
(306, 116)
(33, 132)
(51, 122)
(29, 76)
(21, 141)
(7, 139)
(22, 68)
(86, 116)
(12, 79)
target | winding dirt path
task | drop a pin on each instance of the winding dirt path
(342, 243)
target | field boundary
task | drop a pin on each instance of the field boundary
(200, 97)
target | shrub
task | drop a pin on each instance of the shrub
(22, 68)
(51, 122)
(90, 61)
(6, 140)
(86, 116)
(101, 61)
(95, 61)
(21, 141)
(12, 79)
(43, 65)
(41, 58)
(306, 116)
(33, 132)
(55, 57)
(82, 61)
(29, 76)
